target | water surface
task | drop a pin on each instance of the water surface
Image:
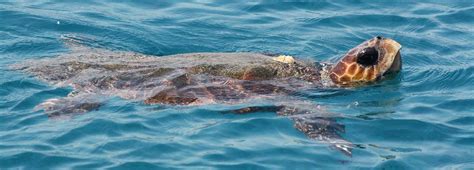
(422, 119)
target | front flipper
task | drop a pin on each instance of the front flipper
(68, 106)
(252, 109)
(324, 129)
(312, 122)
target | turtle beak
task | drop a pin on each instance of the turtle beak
(396, 65)
(391, 62)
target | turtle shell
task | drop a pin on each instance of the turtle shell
(176, 79)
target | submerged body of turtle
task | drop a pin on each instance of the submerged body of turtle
(194, 79)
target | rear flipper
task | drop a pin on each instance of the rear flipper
(69, 106)
(312, 123)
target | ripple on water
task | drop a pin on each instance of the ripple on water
(36, 159)
(458, 16)
(98, 127)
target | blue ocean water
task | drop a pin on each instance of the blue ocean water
(422, 119)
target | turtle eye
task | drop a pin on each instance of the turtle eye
(368, 56)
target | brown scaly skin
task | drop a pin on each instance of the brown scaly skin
(349, 72)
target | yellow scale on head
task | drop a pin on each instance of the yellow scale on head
(349, 72)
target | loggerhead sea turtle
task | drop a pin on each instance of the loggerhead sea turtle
(207, 78)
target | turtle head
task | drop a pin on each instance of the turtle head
(368, 62)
